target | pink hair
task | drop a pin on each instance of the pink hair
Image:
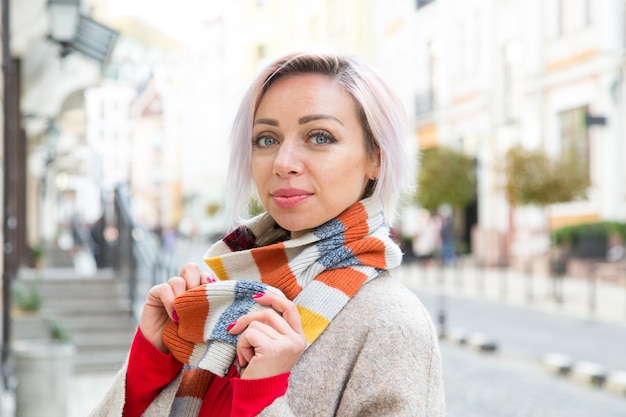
(382, 114)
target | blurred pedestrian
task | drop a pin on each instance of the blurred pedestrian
(427, 239)
(448, 238)
(307, 318)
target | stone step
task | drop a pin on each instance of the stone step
(91, 306)
(82, 288)
(95, 312)
(95, 340)
(101, 322)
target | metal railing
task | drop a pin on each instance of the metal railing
(137, 255)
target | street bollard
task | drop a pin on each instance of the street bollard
(44, 370)
(592, 288)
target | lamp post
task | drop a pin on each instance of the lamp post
(63, 17)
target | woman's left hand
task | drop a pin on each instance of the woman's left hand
(272, 340)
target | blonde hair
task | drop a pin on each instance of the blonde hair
(382, 117)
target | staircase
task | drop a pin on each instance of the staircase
(94, 310)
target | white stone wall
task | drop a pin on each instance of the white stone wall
(559, 63)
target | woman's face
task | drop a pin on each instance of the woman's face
(309, 160)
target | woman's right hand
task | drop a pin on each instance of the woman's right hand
(159, 305)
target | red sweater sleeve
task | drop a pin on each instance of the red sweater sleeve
(149, 371)
(251, 396)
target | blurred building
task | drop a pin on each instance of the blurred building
(487, 75)
(51, 51)
(196, 78)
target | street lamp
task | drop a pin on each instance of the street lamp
(63, 19)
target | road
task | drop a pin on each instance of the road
(479, 385)
(511, 381)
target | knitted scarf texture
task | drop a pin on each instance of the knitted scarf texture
(319, 271)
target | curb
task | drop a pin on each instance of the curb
(478, 341)
(557, 364)
(616, 383)
(587, 373)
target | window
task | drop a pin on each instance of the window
(575, 136)
(434, 71)
(422, 3)
(572, 15)
(511, 60)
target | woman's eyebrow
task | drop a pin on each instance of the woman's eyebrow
(270, 122)
(312, 117)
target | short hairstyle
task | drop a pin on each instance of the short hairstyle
(382, 117)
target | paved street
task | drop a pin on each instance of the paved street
(497, 385)
(512, 381)
(530, 334)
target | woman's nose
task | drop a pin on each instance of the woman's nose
(288, 160)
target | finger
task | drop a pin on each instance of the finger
(285, 307)
(161, 296)
(207, 278)
(192, 275)
(178, 285)
(266, 316)
(254, 336)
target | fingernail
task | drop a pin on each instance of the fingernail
(209, 280)
(175, 316)
(258, 295)
(231, 325)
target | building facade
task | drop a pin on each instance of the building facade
(549, 75)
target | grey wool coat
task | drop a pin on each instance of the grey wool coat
(378, 357)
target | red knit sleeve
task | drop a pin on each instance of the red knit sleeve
(251, 396)
(149, 371)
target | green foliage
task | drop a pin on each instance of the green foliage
(212, 209)
(445, 176)
(58, 331)
(27, 295)
(36, 252)
(534, 179)
(565, 236)
(255, 208)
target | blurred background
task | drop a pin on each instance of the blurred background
(116, 116)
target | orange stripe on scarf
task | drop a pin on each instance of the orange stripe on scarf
(274, 265)
(346, 280)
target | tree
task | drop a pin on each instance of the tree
(532, 178)
(445, 176)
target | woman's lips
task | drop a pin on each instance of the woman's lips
(288, 198)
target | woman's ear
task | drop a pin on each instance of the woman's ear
(374, 170)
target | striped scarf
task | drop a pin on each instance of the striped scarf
(320, 271)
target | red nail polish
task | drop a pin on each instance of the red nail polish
(258, 295)
(209, 280)
(231, 325)
(175, 316)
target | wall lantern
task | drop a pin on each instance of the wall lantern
(77, 32)
(63, 20)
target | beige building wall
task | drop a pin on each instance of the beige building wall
(490, 75)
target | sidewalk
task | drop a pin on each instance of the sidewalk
(596, 300)
(599, 301)
(87, 390)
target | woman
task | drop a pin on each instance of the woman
(322, 328)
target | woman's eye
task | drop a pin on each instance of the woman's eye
(322, 138)
(264, 141)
